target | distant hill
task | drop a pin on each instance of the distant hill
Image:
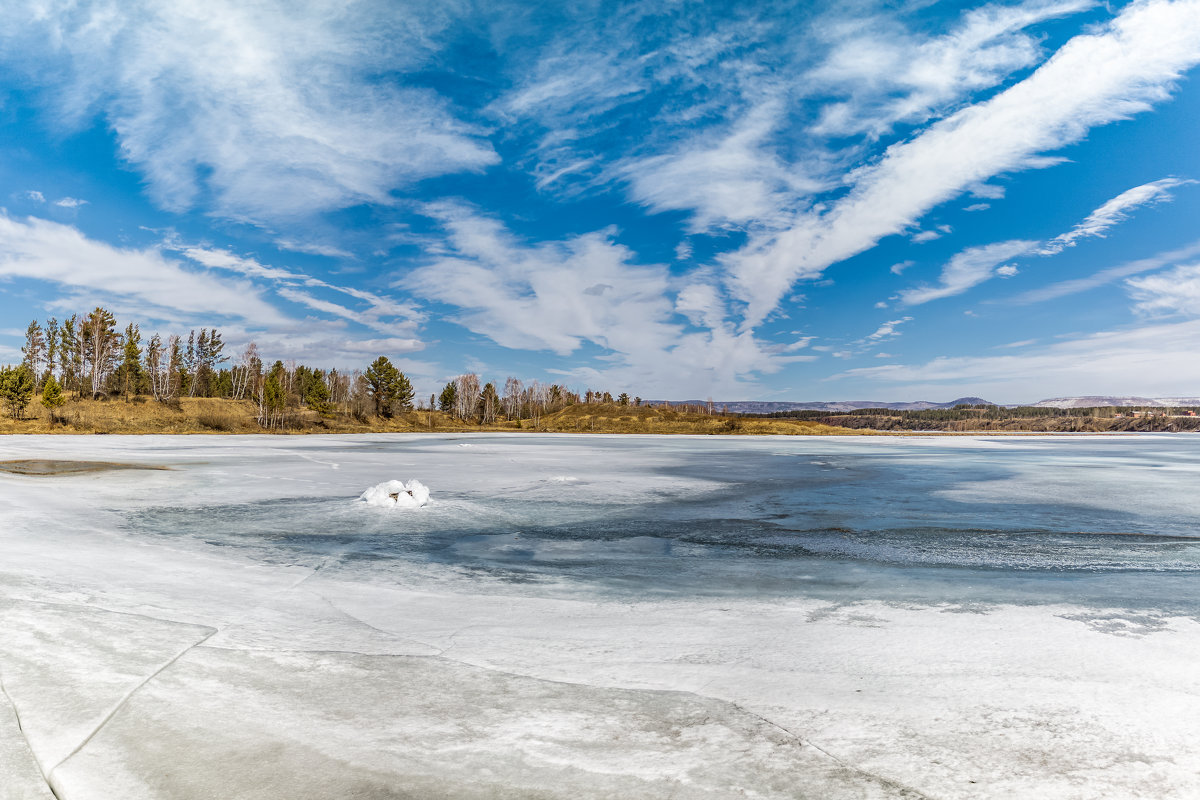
(836, 406)
(770, 407)
(1099, 401)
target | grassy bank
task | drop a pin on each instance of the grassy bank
(215, 415)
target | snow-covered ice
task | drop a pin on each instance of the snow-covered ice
(397, 494)
(685, 617)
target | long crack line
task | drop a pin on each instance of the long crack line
(128, 695)
(20, 727)
(841, 762)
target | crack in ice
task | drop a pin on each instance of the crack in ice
(124, 700)
(841, 762)
(21, 728)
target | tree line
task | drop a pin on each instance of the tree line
(90, 356)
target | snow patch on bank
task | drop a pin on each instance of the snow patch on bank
(397, 494)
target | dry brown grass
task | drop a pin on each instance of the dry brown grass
(213, 415)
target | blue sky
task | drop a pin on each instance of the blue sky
(769, 200)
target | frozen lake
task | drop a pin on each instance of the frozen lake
(577, 617)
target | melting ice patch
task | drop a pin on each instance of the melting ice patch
(397, 494)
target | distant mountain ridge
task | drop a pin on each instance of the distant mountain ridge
(770, 407)
(1084, 401)
(1093, 401)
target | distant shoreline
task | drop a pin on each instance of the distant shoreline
(199, 416)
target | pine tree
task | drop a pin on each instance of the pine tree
(51, 345)
(34, 349)
(176, 369)
(188, 373)
(52, 395)
(68, 357)
(201, 373)
(131, 368)
(448, 398)
(16, 388)
(389, 388)
(489, 401)
(317, 397)
(274, 400)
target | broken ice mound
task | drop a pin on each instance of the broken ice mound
(393, 494)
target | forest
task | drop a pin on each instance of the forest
(71, 367)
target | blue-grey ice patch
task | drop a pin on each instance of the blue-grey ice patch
(397, 494)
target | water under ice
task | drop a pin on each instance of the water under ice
(603, 616)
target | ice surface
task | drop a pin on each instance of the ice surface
(397, 494)
(685, 616)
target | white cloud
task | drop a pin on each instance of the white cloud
(730, 179)
(1150, 361)
(383, 314)
(889, 75)
(1096, 78)
(36, 196)
(268, 108)
(70, 202)
(969, 268)
(897, 269)
(1076, 285)
(888, 330)
(313, 248)
(1175, 291)
(216, 258)
(978, 207)
(145, 281)
(560, 296)
(986, 191)
(800, 343)
(1115, 211)
(222, 289)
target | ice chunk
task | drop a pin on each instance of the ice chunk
(397, 494)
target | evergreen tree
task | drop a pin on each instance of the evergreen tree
(176, 369)
(448, 398)
(201, 371)
(131, 367)
(16, 388)
(489, 402)
(317, 397)
(68, 355)
(52, 395)
(34, 349)
(274, 400)
(51, 345)
(188, 373)
(623, 399)
(389, 388)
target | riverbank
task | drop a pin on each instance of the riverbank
(202, 415)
